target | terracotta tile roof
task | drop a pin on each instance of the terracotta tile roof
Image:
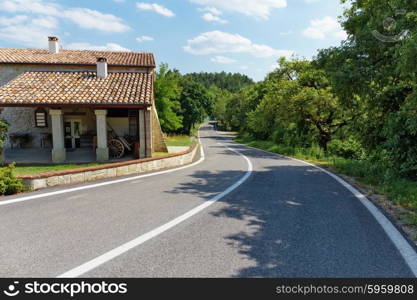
(76, 57)
(45, 88)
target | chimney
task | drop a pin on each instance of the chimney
(101, 67)
(53, 45)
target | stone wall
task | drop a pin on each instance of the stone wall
(135, 167)
(158, 141)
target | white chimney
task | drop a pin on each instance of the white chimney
(53, 45)
(101, 67)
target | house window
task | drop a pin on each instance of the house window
(41, 118)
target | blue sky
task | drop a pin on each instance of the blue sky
(245, 36)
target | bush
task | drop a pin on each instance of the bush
(3, 132)
(9, 184)
(348, 148)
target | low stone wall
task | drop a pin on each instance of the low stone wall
(133, 167)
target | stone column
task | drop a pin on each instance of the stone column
(102, 150)
(142, 153)
(148, 132)
(58, 150)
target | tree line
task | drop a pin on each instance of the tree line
(357, 100)
(183, 101)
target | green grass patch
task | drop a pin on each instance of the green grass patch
(159, 154)
(179, 140)
(29, 170)
(401, 191)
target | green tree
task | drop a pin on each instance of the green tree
(3, 132)
(374, 72)
(225, 81)
(167, 93)
(194, 99)
(298, 106)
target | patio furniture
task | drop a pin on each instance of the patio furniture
(46, 139)
(19, 139)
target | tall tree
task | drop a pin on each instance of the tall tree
(194, 98)
(167, 93)
(374, 71)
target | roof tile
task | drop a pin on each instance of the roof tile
(76, 57)
(118, 88)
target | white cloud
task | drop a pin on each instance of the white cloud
(326, 27)
(156, 8)
(217, 42)
(257, 8)
(209, 17)
(30, 6)
(45, 22)
(244, 67)
(222, 60)
(144, 38)
(13, 20)
(88, 46)
(27, 31)
(211, 10)
(26, 34)
(93, 19)
(83, 17)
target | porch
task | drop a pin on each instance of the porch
(77, 135)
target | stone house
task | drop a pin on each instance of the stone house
(64, 100)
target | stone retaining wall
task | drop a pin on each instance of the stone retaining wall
(134, 167)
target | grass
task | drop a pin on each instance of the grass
(29, 170)
(400, 191)
(179, 140)
(159, 154)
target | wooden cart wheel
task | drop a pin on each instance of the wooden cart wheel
(116, 148)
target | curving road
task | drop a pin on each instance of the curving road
(259, 216)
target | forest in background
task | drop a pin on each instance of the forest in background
(354, 105)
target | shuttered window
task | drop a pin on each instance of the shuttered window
(41, 119)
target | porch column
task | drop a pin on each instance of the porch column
(58, 150)
(148, 131)
(145, 132)
(142, 152)
(102, 150)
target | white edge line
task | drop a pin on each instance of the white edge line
(96, 262)
(85, 187)
(406, 250)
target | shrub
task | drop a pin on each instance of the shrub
(9, 184)
(347, 148)
(3, 132)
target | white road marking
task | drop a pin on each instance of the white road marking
(91, 186)
(406, 250)
(94, 263)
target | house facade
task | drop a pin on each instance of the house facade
(65, 100)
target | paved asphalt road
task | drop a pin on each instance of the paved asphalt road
(287, 220)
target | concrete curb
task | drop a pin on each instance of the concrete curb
(133, 167)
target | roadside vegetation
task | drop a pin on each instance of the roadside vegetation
(9, 184)
(179, 140)
(352, 108)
